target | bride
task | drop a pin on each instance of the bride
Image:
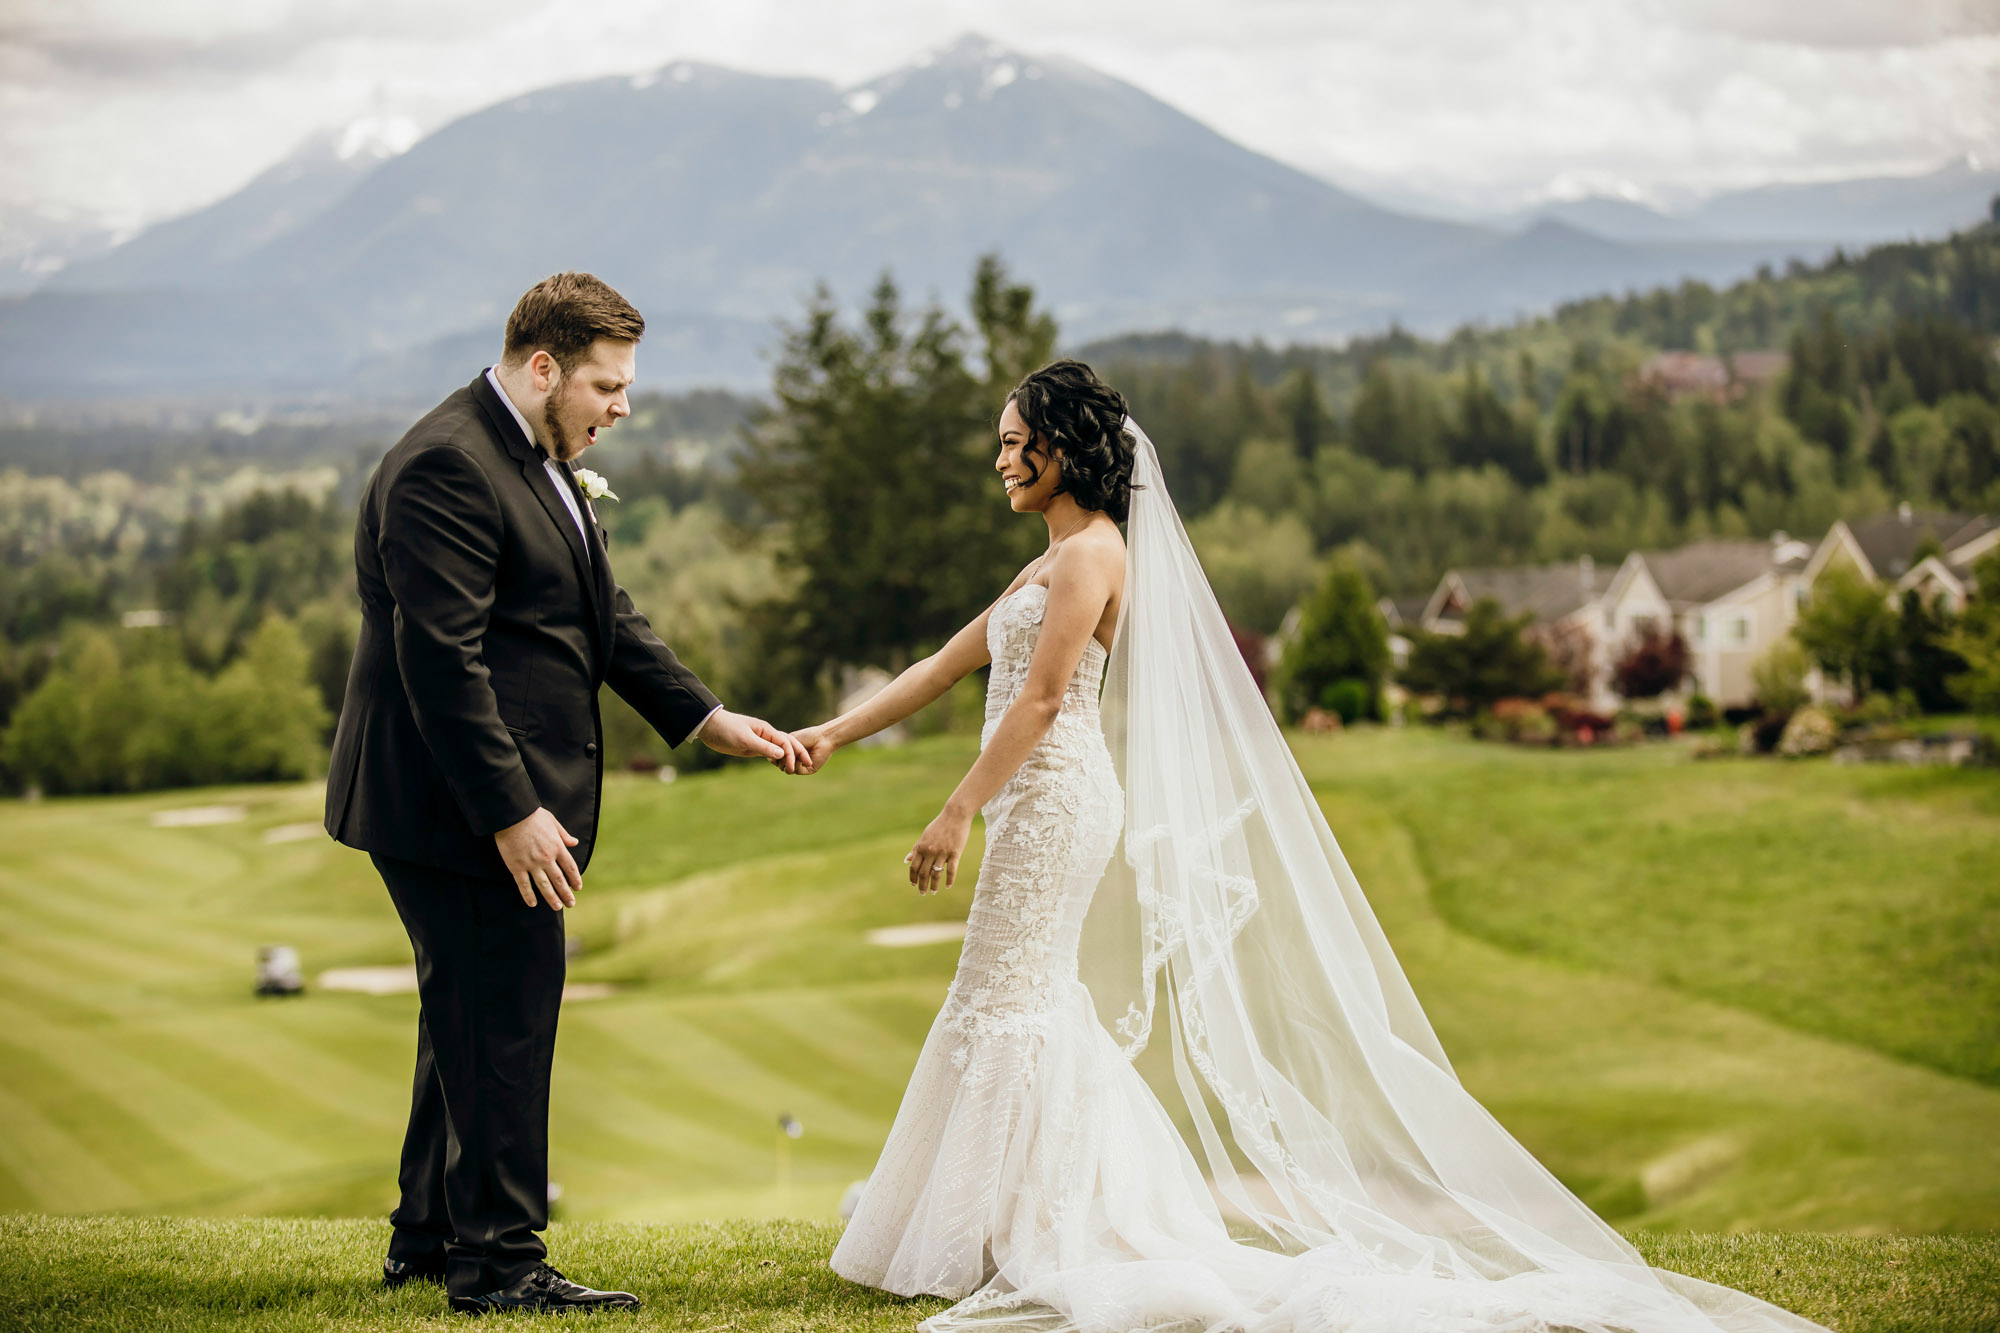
(1170, 853)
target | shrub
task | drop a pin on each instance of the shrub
(1779, 677)
(1349, 698)
(1810, 731)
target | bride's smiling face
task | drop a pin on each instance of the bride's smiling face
(1027, 492)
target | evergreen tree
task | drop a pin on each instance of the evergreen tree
(1341, 638)
(1485, 430)
(1305, 411)
(1925, 660)
(1976, 641)
(1492, 659)
(878, 461)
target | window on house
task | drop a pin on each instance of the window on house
(1701, 629)
(1738, 629)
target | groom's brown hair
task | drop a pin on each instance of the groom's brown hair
(564, 314)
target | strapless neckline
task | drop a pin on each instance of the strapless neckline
(1094, 641)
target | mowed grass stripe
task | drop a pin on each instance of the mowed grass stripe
(841, 1019)
(30, 980)
(594, 1068)
(48, 1167)
(101, 961)
(731, 1075)
(118, 1068)
(370, 1037)
(827, 1060)
(255, 1062)
(91, 1137)
(126, 891)
(597, 1119)
(908, 1008)
(696, 1074)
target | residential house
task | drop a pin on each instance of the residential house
(1729, 599)
(1402, 615)
(1928, 550)
(1718, 379)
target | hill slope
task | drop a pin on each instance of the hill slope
(1770, 1082)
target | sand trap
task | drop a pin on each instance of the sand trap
(923, 932)
(294, 833)
(195, 816)
(371, 980)
(402, 980)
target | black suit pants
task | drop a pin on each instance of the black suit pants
(475, 1170)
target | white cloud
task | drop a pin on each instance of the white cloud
(124, 110)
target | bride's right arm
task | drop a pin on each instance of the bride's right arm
(923, 683)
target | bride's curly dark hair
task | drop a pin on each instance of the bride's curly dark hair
(1068, 408)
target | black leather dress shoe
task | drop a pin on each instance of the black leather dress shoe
(395, 1272)
(545, 1289)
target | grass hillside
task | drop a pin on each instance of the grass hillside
(1712, 996)
(177, 1275)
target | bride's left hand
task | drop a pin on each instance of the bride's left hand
(936, 854)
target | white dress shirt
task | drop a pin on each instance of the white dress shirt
(568, 493)
(555, 470)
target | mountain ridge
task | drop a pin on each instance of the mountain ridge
(718, 200)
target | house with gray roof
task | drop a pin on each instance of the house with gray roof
(1730, 599)
(1932, 551)
(1554, 593)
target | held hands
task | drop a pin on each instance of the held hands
(536, 851)
(818, 744)
(753, 738)
(936, 854)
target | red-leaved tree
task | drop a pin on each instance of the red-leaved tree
(1652, 664)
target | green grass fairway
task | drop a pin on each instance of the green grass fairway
(1713, 996)
(180, 1276)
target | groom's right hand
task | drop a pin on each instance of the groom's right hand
(536, 851)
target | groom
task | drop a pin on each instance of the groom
(469, 765)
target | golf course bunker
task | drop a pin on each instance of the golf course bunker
(922, 932)
(401, 979)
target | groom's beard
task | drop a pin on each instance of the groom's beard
(562, 444)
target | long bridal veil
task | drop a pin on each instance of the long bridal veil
(1321, 1103)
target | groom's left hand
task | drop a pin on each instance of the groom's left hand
(752, 738)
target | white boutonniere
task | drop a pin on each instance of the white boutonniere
(594, 486)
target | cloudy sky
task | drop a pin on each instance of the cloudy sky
(119, 112)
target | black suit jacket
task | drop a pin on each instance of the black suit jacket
(486, 629)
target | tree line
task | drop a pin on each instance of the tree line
(852, 519)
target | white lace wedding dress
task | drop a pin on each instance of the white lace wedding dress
(1032, 1174)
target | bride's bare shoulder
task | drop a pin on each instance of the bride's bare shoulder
(1099, 550)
